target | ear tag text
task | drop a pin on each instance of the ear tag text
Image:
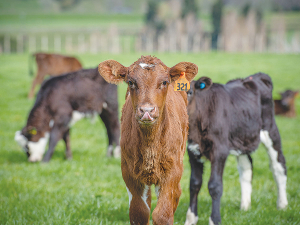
(182, 84)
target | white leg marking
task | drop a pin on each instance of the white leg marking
(51, 123)
(129, 195)
(191, 218)
(37, 149)
(157, 189)
(194, 148)
(210, 221)
(76, 116)
(245, 171)
(235, 152)
(145, 195)
(117, 152)
(104, 105)
(109, 151)
(277, 169)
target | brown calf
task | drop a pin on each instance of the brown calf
(154, 127)
(53, 65)
(286, 105)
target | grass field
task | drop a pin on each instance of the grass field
(90, 190)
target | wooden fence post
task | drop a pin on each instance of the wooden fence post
(32, 44)
(44, 43)
(93, 43)
(184, 43)
(69, 44)
(57, 43)
(81, 43)
(20, 45)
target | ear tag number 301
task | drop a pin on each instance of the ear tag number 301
(182, 84)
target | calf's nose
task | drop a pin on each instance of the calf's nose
(146, 109)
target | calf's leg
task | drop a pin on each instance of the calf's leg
(272, 142)
(195, 184)
(37, 80)
(168, 199)
(215, 186)
(66, 138)
(139, 199)
(111, 122)
(245, 168)
(55, 135)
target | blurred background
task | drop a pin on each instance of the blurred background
(127, 26)
(226, 39)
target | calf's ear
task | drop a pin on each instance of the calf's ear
(112, 71)
(190, 70)
(203, 83)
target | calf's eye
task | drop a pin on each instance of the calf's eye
(164, 83)
(131, 84)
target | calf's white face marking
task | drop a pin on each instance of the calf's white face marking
(35, 149)
(20, 139)
(245, 171)
(277, 169)
(191, 218)
(144, 65)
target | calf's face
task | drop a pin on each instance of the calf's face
(148, 80)
(33, 142)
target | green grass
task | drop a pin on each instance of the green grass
(90, 190)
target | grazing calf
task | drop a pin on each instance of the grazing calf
(286, 105)
(154, 127)
(53, 65)
(232, 119)
(61, 102)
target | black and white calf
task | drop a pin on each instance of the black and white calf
(61, 102)
(232, 119)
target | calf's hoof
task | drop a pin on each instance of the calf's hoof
(109, 151)
(191, 218)
(282, 205)
(117, 152)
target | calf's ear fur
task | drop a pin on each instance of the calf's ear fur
(190, 70)
(206, 80)
(112, 71)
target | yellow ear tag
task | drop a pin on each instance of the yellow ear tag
(182, 84)
(33, 132)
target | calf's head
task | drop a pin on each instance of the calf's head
(148, 80)
(288, 97)
(33, 141)
(197, 87)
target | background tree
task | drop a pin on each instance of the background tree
(217, 12)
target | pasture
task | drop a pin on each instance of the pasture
(90, 190)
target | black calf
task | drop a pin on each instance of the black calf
(231, 119)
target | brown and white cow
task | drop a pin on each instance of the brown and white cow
(61, 102)
(232, 119)
(286, 105)
(154, 127)
(53, 65)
